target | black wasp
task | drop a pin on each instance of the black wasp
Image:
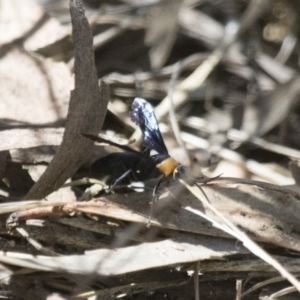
(125, 167)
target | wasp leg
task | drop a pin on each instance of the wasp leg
(155, 198)
(118, 180)
(157, 186)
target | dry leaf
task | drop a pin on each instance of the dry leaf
(30, 137)
(25, 21)
(162, 30)
(86, 114)
(109, 262)
(269, 110)
(36, 90)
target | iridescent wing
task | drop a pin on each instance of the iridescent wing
(143, 115)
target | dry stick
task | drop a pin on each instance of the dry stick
(87, 110)
(288, 290)
(196, 79)
(104, 37)
(196, 280)
(230, 228)
(24, 205)
(239, 289)
(111, 33)
(263, 283)
(188, 62)
(174, 123)
(241, 136)
(35, 243)
(232, 156)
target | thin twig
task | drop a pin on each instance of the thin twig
(263, 283)
(238, 289)
(173, 120)
(286, 291)
(35, 243)
(196, 280)
(240, 136)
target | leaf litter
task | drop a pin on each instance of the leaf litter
(226, 73)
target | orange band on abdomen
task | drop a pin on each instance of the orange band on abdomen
(168, 166)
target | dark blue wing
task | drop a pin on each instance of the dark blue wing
(143, 115)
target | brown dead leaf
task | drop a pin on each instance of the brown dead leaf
(87, 110)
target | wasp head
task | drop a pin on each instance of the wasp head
(179, 172)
